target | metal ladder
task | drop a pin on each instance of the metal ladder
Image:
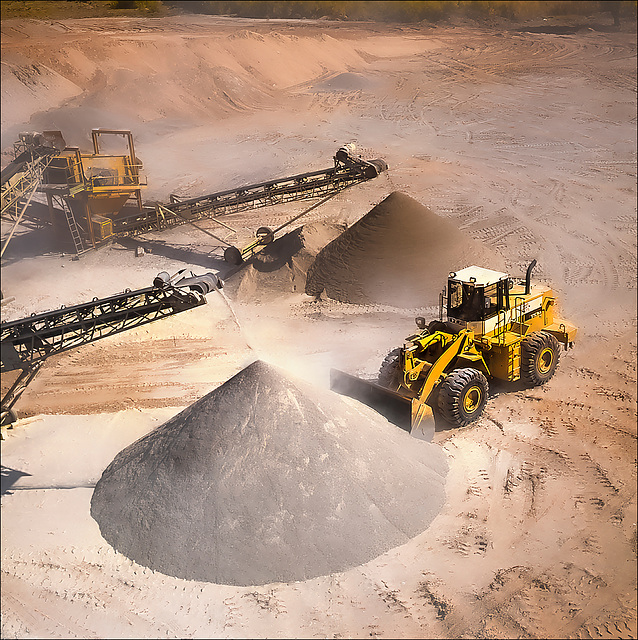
(504, 326)
(73, 228)
(514, 363)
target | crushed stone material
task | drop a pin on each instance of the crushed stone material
(268, 479)
(282, 266)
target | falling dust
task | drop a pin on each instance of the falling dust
(235, 318)
(534, 171)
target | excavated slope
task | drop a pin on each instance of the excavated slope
(266, 480)
(399, 254)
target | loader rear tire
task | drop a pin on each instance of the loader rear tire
(463, 396)
(539, 357)
(390, 370)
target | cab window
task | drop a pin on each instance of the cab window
(465, 301)
(472, 304)
(490, 301)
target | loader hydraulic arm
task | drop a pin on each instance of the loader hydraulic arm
(455, 346)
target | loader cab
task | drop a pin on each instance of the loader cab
(475, 294)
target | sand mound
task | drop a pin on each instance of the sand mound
(400, 254)
(282, 267)
(105, 67)
(266, 480)
(30, 85)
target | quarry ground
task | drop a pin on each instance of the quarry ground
(526, 141)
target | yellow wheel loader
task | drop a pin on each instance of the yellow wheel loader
(495, 328)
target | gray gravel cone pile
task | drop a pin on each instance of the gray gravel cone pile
(267, 480)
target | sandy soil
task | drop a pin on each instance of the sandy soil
(524, 141)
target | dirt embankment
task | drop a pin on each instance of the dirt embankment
(134, 79)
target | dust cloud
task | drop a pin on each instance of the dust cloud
(503, 145)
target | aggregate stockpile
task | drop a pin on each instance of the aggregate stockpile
(397, 254)
(267, 480)
(281, 268)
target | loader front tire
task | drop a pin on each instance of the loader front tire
(390, 370)
(463, 396)
(539, 358)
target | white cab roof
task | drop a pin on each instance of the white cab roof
(481, 276)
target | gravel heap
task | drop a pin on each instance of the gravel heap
(399, 254)
(267, 480)
(281, 268)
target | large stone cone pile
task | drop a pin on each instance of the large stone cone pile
(400, 254)
(268, 480)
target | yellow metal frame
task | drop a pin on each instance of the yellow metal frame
(94, 197)
(496, 354)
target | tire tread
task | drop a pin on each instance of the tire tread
(389, 369)
(450, 391)
(530, 348)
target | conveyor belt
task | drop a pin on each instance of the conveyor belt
(35, 151)
(22, 176)
(314, 184)
(27, 342)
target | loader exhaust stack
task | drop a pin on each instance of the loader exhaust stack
(528, 277)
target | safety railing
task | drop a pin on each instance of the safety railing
(67, 169)
(510, 320)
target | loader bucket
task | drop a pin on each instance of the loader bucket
(423, 425)
(409, 414)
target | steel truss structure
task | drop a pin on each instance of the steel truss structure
(315, 184)
(27, 343)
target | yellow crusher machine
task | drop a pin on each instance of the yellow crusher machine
(495, 328)
(98, 195)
